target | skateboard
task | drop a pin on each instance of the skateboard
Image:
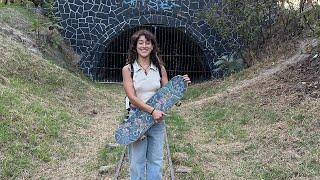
(139, 121)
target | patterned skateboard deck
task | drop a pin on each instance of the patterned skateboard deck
(139, 122)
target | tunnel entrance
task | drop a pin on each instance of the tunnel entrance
(180, 54)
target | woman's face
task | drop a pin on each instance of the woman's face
(144, 47)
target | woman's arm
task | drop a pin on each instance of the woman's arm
(164, 78)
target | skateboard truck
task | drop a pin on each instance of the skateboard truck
(142, 138)
(178, 103)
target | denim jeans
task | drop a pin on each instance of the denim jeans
(146, 156)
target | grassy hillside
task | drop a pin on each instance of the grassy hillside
(54, 123)
(42, 106)
(267, 130)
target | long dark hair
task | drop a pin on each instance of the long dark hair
(154, 55)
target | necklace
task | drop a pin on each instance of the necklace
(145, 69)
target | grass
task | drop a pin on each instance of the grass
(17, 16)
(246, 136)
(110, 156)
(225, 122)
(31, 128)
(198, 91)
(42, 106)
(243, 136)
(177, 128)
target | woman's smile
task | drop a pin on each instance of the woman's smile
(144, 47)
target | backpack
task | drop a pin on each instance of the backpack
(127, 101)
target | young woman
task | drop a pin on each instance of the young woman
(149, 74)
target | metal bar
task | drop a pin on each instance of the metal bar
(166, 50)
(195, 65)
(123, 53)
(120, 163)
(118, 59)
(179, 52)
(172, 60)
(184, 67)
(190, 71)
(110, 63)
(114, 64)
(183, 59)
(174, 54)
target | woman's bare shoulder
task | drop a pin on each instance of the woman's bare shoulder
(126, 67)
(162, 67)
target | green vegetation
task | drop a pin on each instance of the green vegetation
(251, 27)
(248, 140)
(42, 106)
(199, 91)
(254, 133)
(12, 13)
(228, 64)
(178, 127)
(110, 156)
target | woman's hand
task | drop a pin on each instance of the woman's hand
(157, 115)
(187, 79)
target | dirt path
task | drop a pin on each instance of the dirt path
(103, 124)
(274, 89)
(283, 64)
(81, 163)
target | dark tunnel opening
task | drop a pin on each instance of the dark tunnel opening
(180, 53)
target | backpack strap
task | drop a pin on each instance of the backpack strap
(132, 70)
(160, 76)
(127, 101)
(160, 72)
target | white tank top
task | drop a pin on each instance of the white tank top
(145, 85)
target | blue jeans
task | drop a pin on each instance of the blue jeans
(146, 156)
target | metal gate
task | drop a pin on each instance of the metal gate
(180, 54)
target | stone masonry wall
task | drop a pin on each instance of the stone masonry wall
(89, 25)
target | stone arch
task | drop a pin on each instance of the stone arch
(209, 42)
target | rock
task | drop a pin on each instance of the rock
(183, 169)
(178, 158)
(112, 146)
(241, 62)
(308, 45)
(20, 37)
(104, 169)
(3, 80)
(314, 43)
(94, 111)
(33, 50)
(307, 49)
(315, 56)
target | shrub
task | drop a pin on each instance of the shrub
(249, 25)
(228, 64)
